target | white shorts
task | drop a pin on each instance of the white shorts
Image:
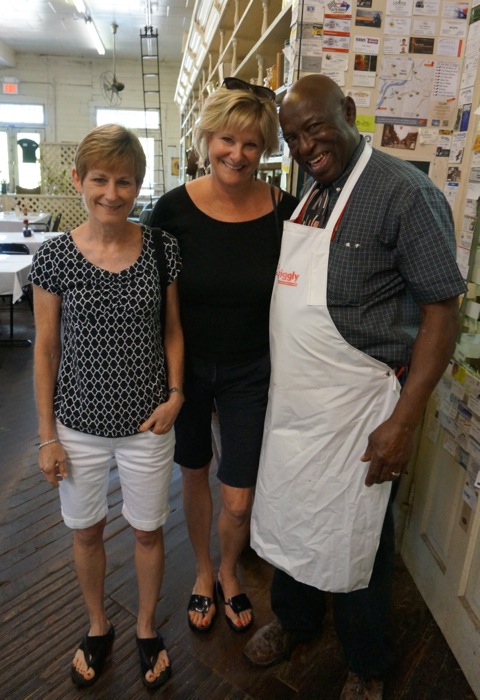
(144, 464)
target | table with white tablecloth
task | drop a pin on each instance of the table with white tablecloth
(10, 221)
(14, 271)
(33, 242)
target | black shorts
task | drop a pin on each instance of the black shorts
(239, 393)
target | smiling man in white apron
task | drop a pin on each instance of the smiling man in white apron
(366, 293)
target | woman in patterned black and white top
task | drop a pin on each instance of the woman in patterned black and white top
(108, 384)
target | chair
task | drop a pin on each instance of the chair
(56, 222)
(26, 190)
(16, 249)
(145, 214)
(43, 225)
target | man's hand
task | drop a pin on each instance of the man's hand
(389, 449)
(390, 446)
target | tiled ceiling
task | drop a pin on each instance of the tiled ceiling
(56, 27)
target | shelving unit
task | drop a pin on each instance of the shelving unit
(240, 38)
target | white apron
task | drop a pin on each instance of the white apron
(313, 517)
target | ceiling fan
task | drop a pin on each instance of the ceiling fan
(111, 87)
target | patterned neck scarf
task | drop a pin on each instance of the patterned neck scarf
(315, 212)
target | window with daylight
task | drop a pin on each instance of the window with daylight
(14, 114)
(135, 119)
(19, 164)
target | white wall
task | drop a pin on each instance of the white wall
(70, 90)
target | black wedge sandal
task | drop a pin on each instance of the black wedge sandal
(95, 650)
(148, 650)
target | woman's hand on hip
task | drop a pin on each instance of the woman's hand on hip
(163, 417)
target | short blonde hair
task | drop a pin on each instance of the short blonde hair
(114, 145)
(238, 110)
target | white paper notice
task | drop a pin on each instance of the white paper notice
(334, 61)
(453, 28)
(458, 147)
(361, 97)
(463, 260)
(455, 10)
(363, 78)
(445, 84)
(336, 43)
(336, 25)
(428, 137)
(367, 45)
(395, 45)
(449, 47)
(450, 191)
(397, 25)
(427, 8)
(313, 11)
(424, 27)
(469, 71)
(400, 8)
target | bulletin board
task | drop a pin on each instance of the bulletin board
(411, 67)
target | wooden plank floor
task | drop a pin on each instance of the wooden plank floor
(42, 618)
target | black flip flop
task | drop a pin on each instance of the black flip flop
(201, 604)
(149, 649)
(95, 649)
(238, 603)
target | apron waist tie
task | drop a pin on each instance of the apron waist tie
(401, 373)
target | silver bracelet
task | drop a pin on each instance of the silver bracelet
(47, 442)
(174, 389)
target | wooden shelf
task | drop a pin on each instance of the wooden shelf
(242, 39)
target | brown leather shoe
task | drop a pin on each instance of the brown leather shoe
(269, 645)
(356, 688)
(374, 690)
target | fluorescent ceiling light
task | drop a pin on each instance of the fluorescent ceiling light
(95, 36)
(80, 6)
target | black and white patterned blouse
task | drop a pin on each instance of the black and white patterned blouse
(112, 373)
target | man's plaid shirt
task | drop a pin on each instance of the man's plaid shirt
(394, 250)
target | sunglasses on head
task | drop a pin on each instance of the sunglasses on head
(258, 90)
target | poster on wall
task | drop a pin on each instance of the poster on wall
(455, 10)
(444, 143)
(368, 18)
(400, 136)
(421, 45)
(465, 117)
(457, 148)
(364, 70)
(404, 91)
